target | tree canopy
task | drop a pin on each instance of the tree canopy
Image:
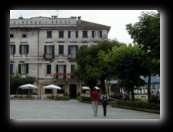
(126, 63)
(90, 64)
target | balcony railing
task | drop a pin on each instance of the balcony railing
(62, 75)
(48, 56)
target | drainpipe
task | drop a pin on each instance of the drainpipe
(38, 61)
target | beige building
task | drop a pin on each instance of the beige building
(45, 48)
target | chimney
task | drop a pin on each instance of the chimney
(79, 20)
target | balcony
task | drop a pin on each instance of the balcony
(62, 74)
(71, 58)
(47, 56)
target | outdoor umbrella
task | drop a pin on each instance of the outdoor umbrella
(85, 88)
(28, 86)
(97, 88)
(52, 87)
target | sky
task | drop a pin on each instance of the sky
(116, 19)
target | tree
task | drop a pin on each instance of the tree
(126, 64)
(146, 33)
(16, 81)
(90, 64)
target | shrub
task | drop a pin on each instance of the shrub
(140, 104)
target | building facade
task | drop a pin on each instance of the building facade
(45, 48)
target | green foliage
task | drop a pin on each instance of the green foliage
(126, 64)
(65, 98)
(140, 104)
(83, 98)
(146, 33)
(66, 94)
(78, 98)
(16, 81)
(91, 65)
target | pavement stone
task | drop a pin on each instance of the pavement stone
(72, 109)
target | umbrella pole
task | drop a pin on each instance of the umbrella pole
(29, 94)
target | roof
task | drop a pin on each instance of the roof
(154, 79)
(57, 23)
(86, 24)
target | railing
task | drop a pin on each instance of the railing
(48, 56)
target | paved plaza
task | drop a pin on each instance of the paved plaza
(72, 109)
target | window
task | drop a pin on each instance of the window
(12, 49)
(72, 67)
(61, 34)
(24, 49)
(11, 69)
(72, 34)
(61, 70)
(49, 34)
(96, 34)
(48, 69)
(85, 34)
(49, 51)
(61, 49)
(72, 49)
(62, 89)
(11, 36)
(23, 68)
(48, 91)
(23, 35)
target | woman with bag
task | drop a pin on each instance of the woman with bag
(104, 99)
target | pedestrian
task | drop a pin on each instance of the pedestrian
(127, 97)
(104, 99)
(94, 100)
(157, 95)
(124, 95)
(152, 96)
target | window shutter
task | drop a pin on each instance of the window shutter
(69, 50)
(11, 69)
(61, 49)
(53, 53)
(100, 34)
(56, 68)
(92, 34)
(14, 49)
(64, 68)
(27, 50)
(47, 69)
(19, 68)
(68, 34)
(76, 48)
(45, 49)
(27, 68)
(76, 34)
(20, 49)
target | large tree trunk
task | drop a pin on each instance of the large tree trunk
(149, 88)
(132, 94)
(102, 83)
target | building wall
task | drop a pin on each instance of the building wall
(36, 38)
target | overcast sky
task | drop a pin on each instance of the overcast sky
(116, 19)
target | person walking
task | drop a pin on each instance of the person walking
(124, 95)
(94, 100)
(104, 99)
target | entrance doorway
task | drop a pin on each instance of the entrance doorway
(73, 91)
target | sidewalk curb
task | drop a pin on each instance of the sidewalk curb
(138, 109)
